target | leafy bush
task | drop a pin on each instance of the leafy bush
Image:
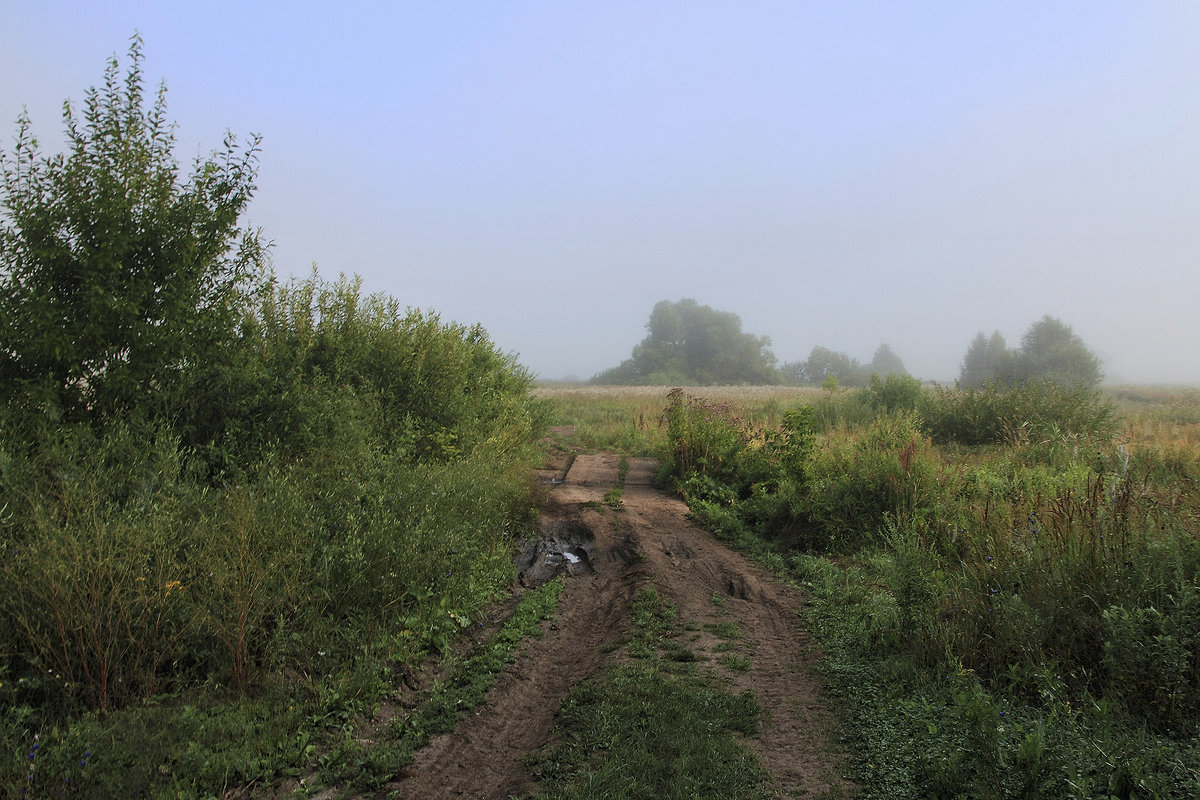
(894, 393)
(716, 455)
(267, 492)
(1040, 412)
(889, 476)
(117, 281)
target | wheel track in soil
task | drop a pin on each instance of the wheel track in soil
(647, 542)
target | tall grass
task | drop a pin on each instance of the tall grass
(629, 419)
(1047, 568)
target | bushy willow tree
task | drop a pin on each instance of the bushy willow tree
(117, 276)
(688, 343)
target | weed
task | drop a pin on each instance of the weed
(1001, 618)
(613, 498)
(735, 661)
(369, 765)
(724, 629)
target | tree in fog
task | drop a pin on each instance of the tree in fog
(688, 343)
(823, 364)
(885, 362)
(1050, 350)
(987, 359)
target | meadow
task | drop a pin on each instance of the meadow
(1005, 583)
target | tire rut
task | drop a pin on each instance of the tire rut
(648, 541)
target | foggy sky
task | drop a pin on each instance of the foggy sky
(837, 174)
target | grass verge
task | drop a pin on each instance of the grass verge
(369, 765)
(655, 728)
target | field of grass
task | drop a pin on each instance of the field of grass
(629, 419)
(1017, 617)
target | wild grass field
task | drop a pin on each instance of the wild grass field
(1006, 583)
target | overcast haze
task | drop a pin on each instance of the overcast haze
(838, 174)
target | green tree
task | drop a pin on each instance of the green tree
(824, 365)
(987, 359)
(1051, 349)
(690, 343)
(117, 279)
(885, 362)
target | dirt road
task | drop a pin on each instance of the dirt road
(611, 554)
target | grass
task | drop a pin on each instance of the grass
(367, 765)
(198, 745)
(614, 498)
(1009, 620)
(735, 662)
(724, 629)
(628, 419)
(654, 728)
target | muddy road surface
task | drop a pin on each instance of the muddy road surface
(610, 551)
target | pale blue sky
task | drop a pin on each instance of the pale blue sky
(836, 173)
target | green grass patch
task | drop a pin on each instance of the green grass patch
(651, 730)
(724, 629)
(735, 661)
(613, 498)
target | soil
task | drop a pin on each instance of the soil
(609, 554)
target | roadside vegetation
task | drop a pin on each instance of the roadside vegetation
(656, 724)
(1006, 579)
(234, 510)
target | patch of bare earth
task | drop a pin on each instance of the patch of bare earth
(649, 541)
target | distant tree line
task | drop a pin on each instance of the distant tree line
(692, 344)
(828, 367)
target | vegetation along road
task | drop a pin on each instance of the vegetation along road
(733, 629)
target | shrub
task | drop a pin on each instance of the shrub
(117, 281)
(896, 392)
(718, 456)
(1038, 412)
(94, 566)
(200, 493)
(889, 476)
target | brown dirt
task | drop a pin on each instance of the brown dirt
(647, 542)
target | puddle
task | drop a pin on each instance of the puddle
(564, 548)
